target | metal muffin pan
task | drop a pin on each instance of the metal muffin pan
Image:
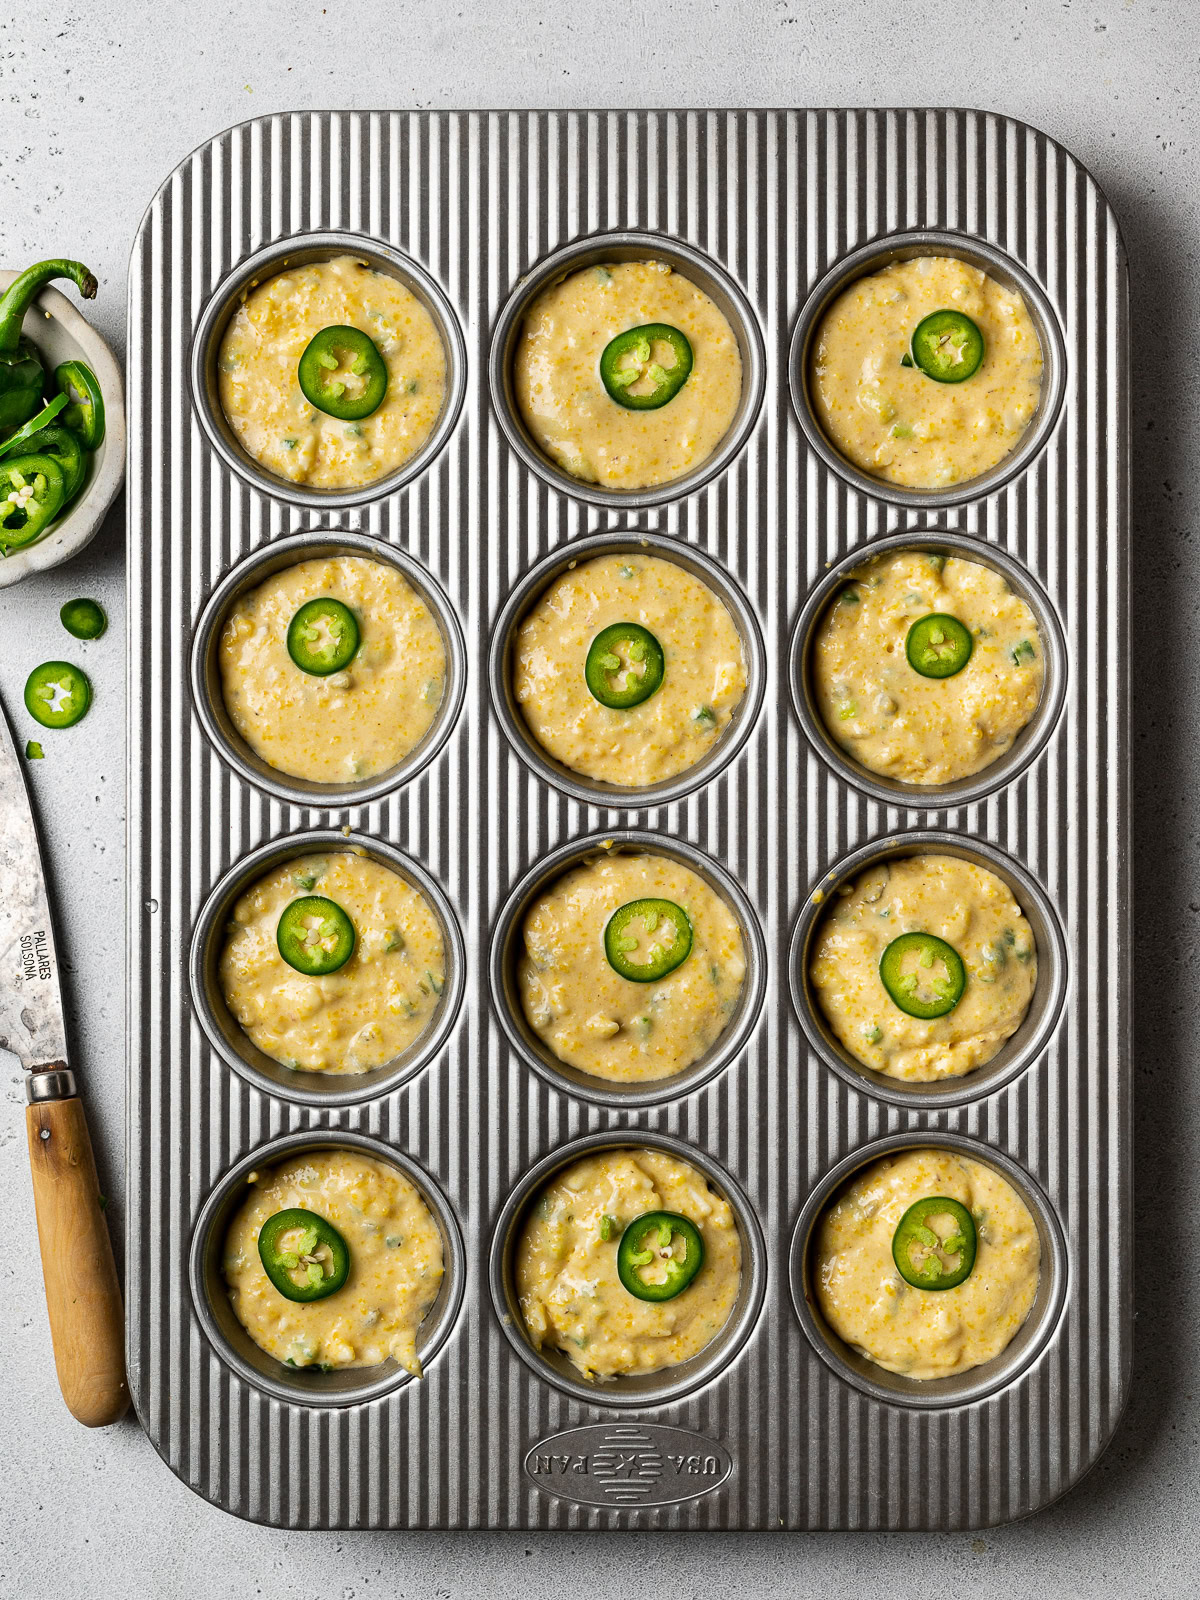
(234, 1346)
(1027, 745)
(236, 1047)
(267, 263)
(209, 701)
(507, 946)
(774, 1425)
(639, 1389)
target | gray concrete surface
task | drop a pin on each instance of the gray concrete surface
(98, 104)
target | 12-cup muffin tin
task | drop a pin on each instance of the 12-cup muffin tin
(776, 1424)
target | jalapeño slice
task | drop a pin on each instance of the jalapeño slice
(57, 694)
(22, 441)
(938, 645)
(33, 490)
(624, 665)
(84, 619)
(947, 346)
(84, 413)
(323, 358)
(645, 367)
(923, 974)
(323, 637)
(920, 1252)
(66, 449)
(303, 1254)
(315, 936)
(647, 939)
(649, 1242)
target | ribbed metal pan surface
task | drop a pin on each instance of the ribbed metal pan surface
(776, 1438)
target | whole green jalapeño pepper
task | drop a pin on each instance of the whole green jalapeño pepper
(920, 1251)
(303, 1254)
(649, 1241)
(319, 366)
(646, 939)
(21, 372)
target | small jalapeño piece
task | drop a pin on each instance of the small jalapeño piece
(83, 619)
(908, 970)
(57, 694)
(84, 414)
(920, 1252)
(323, 357)
(315, 936)
(303, 1254)
(624, 666)
(645, 367)
(663, 940)
(649, 1241)
(33, 490)
(947, 346)
(21, 441)
(938, 646)
(323, 637)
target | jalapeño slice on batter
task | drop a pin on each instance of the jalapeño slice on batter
(649, 1243)
(928, 1259)
(303, 1254)
(924, 975)
(315, 936)
(647, 939)
(938, 645)
(947, 346)
(323, 637)
(645, 367)
(624, 665)
(324, 357)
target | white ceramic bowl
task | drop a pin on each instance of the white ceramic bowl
(61, 334)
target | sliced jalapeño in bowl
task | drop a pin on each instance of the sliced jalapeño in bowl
(33, 490)
(303, 1254)
(624, 665)
(923, 974)
(315, 936)
(84, 413)
(931, 1260)
(57, 694)
(323, 637)
(643, 368)
(947, 346)
(343, 374)
(938, 646)
(646, 939)
(650, 1265)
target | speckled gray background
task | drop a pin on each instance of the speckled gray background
(99, 103)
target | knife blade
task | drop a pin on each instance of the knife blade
(83, 1294)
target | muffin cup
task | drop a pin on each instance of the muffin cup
(593, 791)
(507, 946)
(235, 1047)
(1027, 745)
(596, 251)
(978, 1382)
(297, 251)
(872, 257)
(348, 1386)
(1015, 1055)
(209, 700)
(644, 1390)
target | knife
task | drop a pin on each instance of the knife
(83, 1297)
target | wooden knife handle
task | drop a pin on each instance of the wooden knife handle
(83, 1297)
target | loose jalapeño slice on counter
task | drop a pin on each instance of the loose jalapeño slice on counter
(624, 665)
(84, 413)
(315, 936)
(33, 490)
(57, 694)
(938, 645)
(647, 939)
(83, 618)
(363, 380)
(649, 1243)
(645, 367)
(931, 1260)
(303, 1254)
(947, 346)
(323, 637)
(924, 975)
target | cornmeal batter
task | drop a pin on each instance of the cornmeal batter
(566, 1265)
(395, 1273)
(926, 1333)
(703, 681)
